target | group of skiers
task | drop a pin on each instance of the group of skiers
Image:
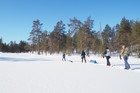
(107, 54)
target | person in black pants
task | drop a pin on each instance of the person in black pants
(64, 57)
(83, 56)
(107, 55)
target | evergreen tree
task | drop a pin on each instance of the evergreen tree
(44, 42)
(5, 47)
(136, 36)
(113, 39)
(106, 35)
(84, 35)
(22, 46)
(74, 26)
(57, 38)
(124, 32)
(1, 44)
(35, 36)
(13, 47)
(96, 42)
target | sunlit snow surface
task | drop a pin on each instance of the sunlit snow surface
(31, 73)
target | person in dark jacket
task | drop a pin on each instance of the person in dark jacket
(83, 54)
(107, 55)
(64, 57)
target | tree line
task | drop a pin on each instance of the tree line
(81, 36)
(14, 47)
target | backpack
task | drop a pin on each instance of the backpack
(127, 52)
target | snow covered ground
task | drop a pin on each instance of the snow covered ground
(30, 73)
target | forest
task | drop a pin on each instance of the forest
(78, 36)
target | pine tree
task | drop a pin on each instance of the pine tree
(57, 38)
(74, 27)
(22, 46)
(35, 36)
(136, 36)
(44, 42)
(124, 32)
(1, 44)
(106, 35)
(84, 35)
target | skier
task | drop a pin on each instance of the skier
(107, 55)
(125, 54)
(64, 57)
(83, 56)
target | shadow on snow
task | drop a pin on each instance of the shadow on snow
(21, 59)
(133, 66)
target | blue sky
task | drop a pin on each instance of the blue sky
(16, 16)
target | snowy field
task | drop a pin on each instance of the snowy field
(30, 73)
